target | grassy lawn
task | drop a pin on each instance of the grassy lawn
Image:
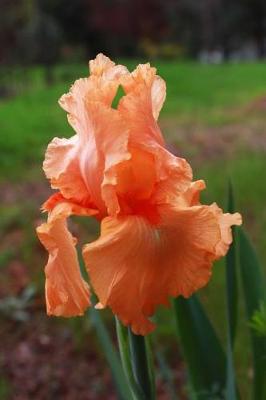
(210, 95)
(213, 115)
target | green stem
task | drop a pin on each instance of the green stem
(141, 365)
(122, 337)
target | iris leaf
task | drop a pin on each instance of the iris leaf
(254, 293)
(202, 349)
(231, 297)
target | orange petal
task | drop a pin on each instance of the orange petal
(139, 108)
(98, 166)
(150, 87)
(67, 294)
(134, 266)
(100, 65)
(82, 168)
(191, 196)
(61, 166)
(174, 175)
(103, 67)
(100, 86)
(225, 222)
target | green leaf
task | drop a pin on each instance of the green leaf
(253, 285)
(231, 297)
(202, 349)
(231, 276)
(141, 367)
(258, 321)
(111, 356)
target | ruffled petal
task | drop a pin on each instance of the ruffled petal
(61, 166)
(67, 294)
(135, 266)
(140, 106)
(98, 163)
(225, 222)
(145, 93)
(113, 147)
(151, 88)
(100, 65)
(83, 167)
(190, 196)
(101, 86)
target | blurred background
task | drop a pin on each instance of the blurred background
(212, 55)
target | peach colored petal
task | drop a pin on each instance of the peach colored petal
(83, 167)
(145, 93)
(85, 171)
(225, 222)
(134, 266)
(61, 166)
(158, 95)
(100, 86)
(174, 175)
(138, 106)
(191, 196)
(100, 65)
(91, 168)
(111, 148)
(67, 294)
(151, 88)
(103, 67)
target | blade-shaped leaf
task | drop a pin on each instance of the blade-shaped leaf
(202, 349)
(254, 292)
(231, 300)
(231, 276)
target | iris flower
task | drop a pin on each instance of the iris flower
(157, 240)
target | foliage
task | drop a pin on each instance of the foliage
(258, 320)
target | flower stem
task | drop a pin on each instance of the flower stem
(122, 337)
(137, 362)
(141, 365)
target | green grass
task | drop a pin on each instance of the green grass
(198, 93)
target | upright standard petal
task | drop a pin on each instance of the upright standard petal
(67, 294)
(82, 167)
(150, 87)
(135, 266)
(101, 86)
(139, 108)
(139, 104)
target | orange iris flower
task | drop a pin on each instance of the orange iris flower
(156, 239)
